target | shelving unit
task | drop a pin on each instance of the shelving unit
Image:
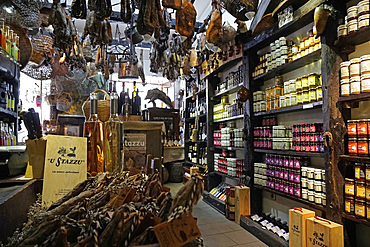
(223, 67)
(357, 38)
(356, 220)
(358, 97)
(350, 158)
(290, 109)
(228, 119)
(294, 198)
(289, 152)
(227, 91)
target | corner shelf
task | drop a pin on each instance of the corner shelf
(223, 67)
(228, 91)
(350, 158)
(294, 198)
(357, 97)
(354, 219)
(228, 119)
(293, 65)
(289, 152)
(290, 109)
(357, 38)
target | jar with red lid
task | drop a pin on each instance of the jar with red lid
(352, 146)
(352, 128)
(362, 128)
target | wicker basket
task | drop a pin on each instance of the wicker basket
(103, 107)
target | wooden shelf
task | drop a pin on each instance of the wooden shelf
(301, 17)
(351, 158)
(214, 202)
(225, 175)
(199, 142)
(354, 219)
(229, 90)
(294, 198)
(359, 37)
(11, 114)
(290, 109)
(9, 71)
(223, 67)
(266, 236)
(289, 152)
(228, 119)
(229, 148)
(293, 65)
(357, 97)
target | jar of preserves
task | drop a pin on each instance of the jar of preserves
(362, 128)
(352, 146)
(311, 195)
(365, 83)
(344, 69)
(319, 93)
(360, 190)
(368, 192)
(360, 209)
(355, 85)
(360, 172)
(368, 210)
(354, 68)
(318, 198)
(324, 199)
(367, 173)
(349, 187)
(349, 205)
(363, 21)
(299, 97)
(342, 30)
(313, 80)
(298, 84)
(312, 95)
(304, 82)
(305, 96)
(352, 13)
(363, 8)
(352, 128)
(345, 87)
(352, 26)
(317, 186)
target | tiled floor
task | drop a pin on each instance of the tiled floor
(217, 231)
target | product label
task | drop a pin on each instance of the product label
(360, 192)
(350, 189)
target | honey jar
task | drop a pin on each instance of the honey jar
(355, 85)
(365, 83)
(363, 21)
(299, 98)
(352, 26)
(319, 93)
(342, 30)
(349, 205)
(363, 8)
(305, 96)
(312, 95)
(304, 81)
(365, 64)
(352, 13)
(349, 187)
(344, 69)
(354, 67)
(352, 146)
(360, 208)
(360, 190)
(345, 87)
(360, 172)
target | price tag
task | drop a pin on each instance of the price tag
(255, 217)
(286, 236)
(307, 106)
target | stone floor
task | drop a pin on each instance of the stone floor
(217, 231)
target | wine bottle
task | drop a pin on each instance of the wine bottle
(134, 103)
(138, 102)
(93, 130)
(112, 137)
(121, 99)
(126, 107)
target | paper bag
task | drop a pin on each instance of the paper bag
(36, 157)
(242, 202)
(325, 233)
(65, 166)
(297, 226)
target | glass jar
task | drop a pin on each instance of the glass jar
(319, 93)
(365, 83)
(318, 198)
(355, 85)
(344, 69)
(342, 30)
(304, 81)
(349, 205)
(311, 196)
(363, 8)
(354, 68)
(360, 172)
(362, 147)
(349, 187)
(363, 21)
(298, 84)
(352, 26)
(312, 95)
(305, 96)
(299, 97)
(360, 190)
(345, 87)
(313, 80)
(352, 128)
(360, 209)
(293, 99)
(367, 173)
(368, 192)
(362, 128)
(352, 146)
(317, 186)
(365, 64)
(352, 13)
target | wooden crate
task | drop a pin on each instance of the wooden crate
(297, 226)
(242, 202)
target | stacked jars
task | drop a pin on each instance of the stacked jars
(263, 135)
(355, 76)
(284, 173)
(313, 185)
(357, 192)
(272, 95)
(261, 68)
(308, 138)
(260, 177)
(231, 80)
(358, 137)
(231, 137)
(228, 165)
(259, 101)
(357, 17)
(239, 167)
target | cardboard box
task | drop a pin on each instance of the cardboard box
(322, 232)
(297, 226)
(242, 202)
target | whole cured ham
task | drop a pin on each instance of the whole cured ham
(126, 11)
(78, 9)
(185, 19)
(214, 29)
(150, 17)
